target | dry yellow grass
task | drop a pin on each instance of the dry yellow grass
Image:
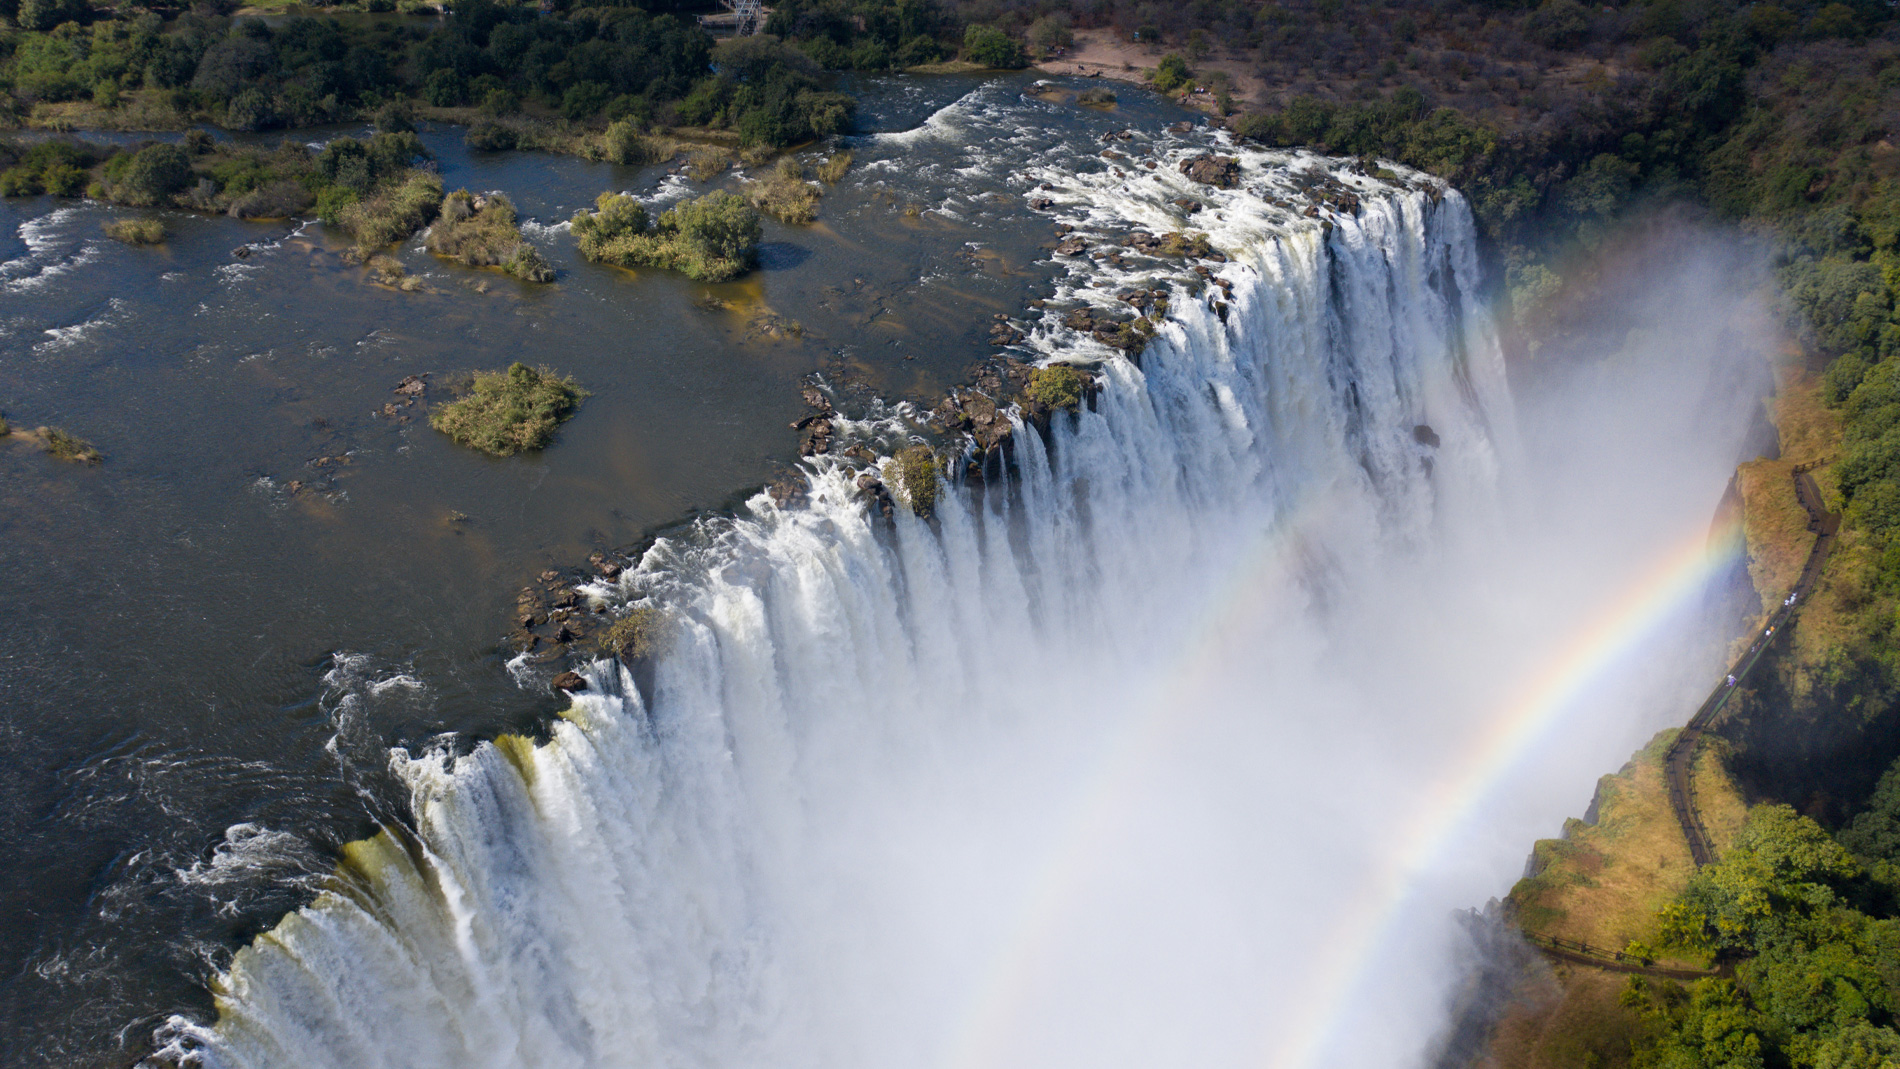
(1570, 1020)
(1776, 527)
(1602, 884)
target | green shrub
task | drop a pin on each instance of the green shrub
(151, 176)
(623, 143)
(1172, 74)
(506, 412)
(991, 47)
(136, 231)
(710, 239)
(490, 137)
(1098, 97)
(1057, 386)
(393, 214)
(481, 232)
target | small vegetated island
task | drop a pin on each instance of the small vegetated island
(710, 239)
(509, 412)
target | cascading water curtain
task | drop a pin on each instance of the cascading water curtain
(1074, 773)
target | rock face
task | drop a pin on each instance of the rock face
(1221, 172)
(814, 431)
(569, 681)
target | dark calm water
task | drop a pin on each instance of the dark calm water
(202, 669)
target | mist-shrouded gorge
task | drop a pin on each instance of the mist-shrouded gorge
(1180, 733)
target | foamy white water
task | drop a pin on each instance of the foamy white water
(1099, 768)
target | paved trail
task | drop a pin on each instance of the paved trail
(1679, 762)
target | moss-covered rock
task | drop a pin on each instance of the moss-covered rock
(634, 636)
(1058, 386)
(913, 474)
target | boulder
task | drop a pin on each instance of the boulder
(569, 681)
(1221, 172)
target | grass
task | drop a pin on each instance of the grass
(1602, 884)
(785, 196)
(1776, 528)
(393, 214)
(706, 163)
(831, 172)
(63, 446)
(1057, 386)
(1571, 1018)
(913, 474)
(512, 411)
(481, 232)
(136, 231)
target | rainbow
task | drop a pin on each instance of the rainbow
(1621, 628)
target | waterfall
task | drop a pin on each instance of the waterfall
(1094, 767)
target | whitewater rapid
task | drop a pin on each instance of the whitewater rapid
(1095, 767)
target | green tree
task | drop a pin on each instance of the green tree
(991, 47)
(152, 175)
(1172, 74)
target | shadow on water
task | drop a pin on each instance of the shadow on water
(280, 570)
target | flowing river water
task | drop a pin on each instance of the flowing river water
(1175, 742)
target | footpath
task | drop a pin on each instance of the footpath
(1679, 760)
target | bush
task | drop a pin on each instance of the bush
(152, 176)
(705, 163)
(710, 239)
(1049, 33)
(1057, 386)
(623, 143)
(63, 446)
(991, 47)
(785, 196)
(136, 231)
(585, 100)
(1172, 74)
(278, 200)
(506, 412)
(393, 214)
(490, 137)
(1098, 97)
(481, 232)
(1559, 24)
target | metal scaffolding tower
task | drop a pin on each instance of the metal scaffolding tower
(747, 16)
